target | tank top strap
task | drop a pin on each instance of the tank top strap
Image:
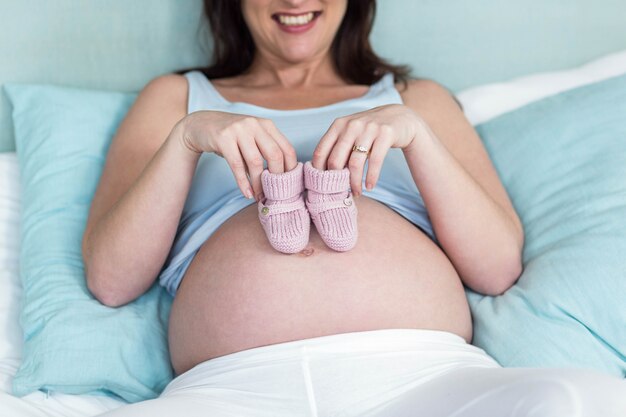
(386, 89)
(202, 94)
(387, 81)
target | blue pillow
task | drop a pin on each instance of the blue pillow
(72, 343)
(563, 161)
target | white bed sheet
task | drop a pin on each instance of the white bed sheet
(480, 104)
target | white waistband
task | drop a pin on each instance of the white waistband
(435, 345)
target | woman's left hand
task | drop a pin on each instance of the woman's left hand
(377, 130)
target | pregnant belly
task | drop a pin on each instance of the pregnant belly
(239, 293)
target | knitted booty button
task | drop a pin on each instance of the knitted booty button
(331, 206)
(282, 211)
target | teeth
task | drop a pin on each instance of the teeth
(302, 19)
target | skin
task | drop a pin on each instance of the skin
(231, 300)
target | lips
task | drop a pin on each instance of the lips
(296, 22)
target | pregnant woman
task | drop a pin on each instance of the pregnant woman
(382, 329)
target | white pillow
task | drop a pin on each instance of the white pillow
(10, 286)
(487, 101)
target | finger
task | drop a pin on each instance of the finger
(237, 164)
(356, 162)
(270, 150)
(379, 150)
(290, 156)
(326, 144)
(254, 162)
(340, 154)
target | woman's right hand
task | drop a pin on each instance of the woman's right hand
(244, 141)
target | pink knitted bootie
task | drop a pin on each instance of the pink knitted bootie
(282, 210)
(331, 206)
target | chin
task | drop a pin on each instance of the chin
(296, 55)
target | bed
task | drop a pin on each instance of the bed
(504, 62)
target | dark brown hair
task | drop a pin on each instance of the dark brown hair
(354, 58)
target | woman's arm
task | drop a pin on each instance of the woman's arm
(471, 213)
(148, 173)
(469, 208)
(137, 206)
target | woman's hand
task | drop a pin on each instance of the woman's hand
(377, 130)
(244, 141)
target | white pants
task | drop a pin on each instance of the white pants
(390, 373)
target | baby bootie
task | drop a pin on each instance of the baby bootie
(282, 210)
(331, 206)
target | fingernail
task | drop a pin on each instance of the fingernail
(249, 194)
(368, 186)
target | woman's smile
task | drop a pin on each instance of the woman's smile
(296, 23)
(293, 31)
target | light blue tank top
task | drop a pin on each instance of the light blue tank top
(214, 195)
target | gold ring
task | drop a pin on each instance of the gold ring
(362, 149)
